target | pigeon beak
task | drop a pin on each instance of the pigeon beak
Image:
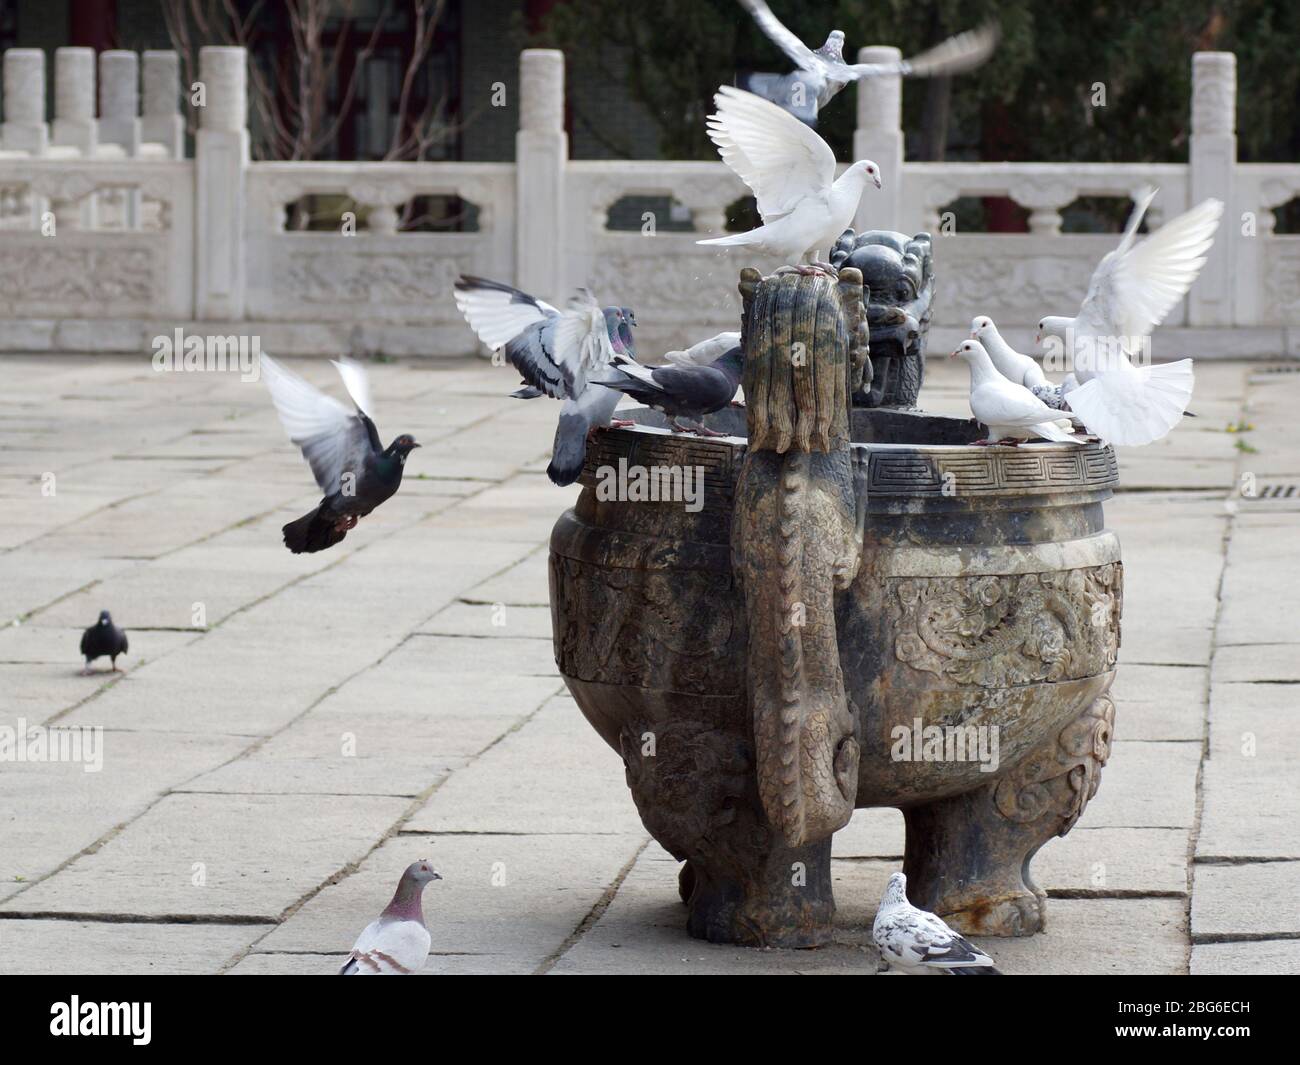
(414, 446)
(1038, 338)
(879, 183)
(954, 354)
(436, 876)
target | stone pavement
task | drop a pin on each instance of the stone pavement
(292, 731)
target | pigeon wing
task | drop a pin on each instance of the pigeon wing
(956, 55)
(497, 312)
(581, 340)
(388, 947)
(771, 151)
(800, 54)
(1004, 403)
(943, 948)
(357, 384)
(705, 351)
(333, 439)
(1135, 286)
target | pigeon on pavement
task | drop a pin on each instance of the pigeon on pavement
(557, 353)
(354, 470)
(396, 943)
(1011, 412)
(917, 942)
(791, 171)
(687, 391)
(823, 73)
(103, 638)
(1020, 368)
(1132, 290)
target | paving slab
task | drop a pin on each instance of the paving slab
(1146, 785)
(1276, 957)
(1254, 899)
(257, 856)
(89, 948)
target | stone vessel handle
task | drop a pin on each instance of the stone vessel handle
(796, 542)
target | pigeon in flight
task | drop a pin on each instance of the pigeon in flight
(791, 172)
(102, 638)
(705, 352)
(823, 73)
(917, 942)
(396, 943)
(1011, 412)
(1019, 368)
(557, 353)
(1132, 290)
(354, 470)
(680, 391)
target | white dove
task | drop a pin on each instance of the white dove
(1011, 411)
(823, 73)
(791, 171)
(1132, 290)
(396, 943)
(1020, 368)
(917, 942)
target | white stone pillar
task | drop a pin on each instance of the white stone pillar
(541, 154)
(1213, 158)
(161, 121)
(119, 100)
(879, 137)
(74, 100)
(220, 159)
(24, 101)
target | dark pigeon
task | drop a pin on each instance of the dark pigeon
(353, 468)
(103, 638)
(556, 352)
(681, 391)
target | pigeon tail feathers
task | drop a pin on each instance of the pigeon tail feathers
(312, 532)
(1133, 409)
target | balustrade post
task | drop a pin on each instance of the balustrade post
(879, 137)
(24, 102)
(541, 155)
(161, 121)
(220, 161)
(1212, 159)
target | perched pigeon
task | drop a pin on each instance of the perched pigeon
(917, 942)
(1019, 368)
(791, 171)
(1132, 290)
(680, 391)
(557, 353)
(103, 638)
(705, 352)
(1011, 412)
(342, 446)
(396, 943)
(823, 73)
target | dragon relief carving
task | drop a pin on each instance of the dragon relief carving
(995, 631)
(627, 626)
(1062, 779)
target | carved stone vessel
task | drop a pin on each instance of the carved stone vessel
(865, 610)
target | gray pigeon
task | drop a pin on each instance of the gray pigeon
(396, 943)
(680, 391)
(915, 941)
(103, 638)
(557, 352)
(823, 73)
(353, 468)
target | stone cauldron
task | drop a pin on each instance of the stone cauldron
(762, 662)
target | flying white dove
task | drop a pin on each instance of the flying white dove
(705, 352)
(823, 73)
(557, 353)
(791, 172)
(917, 942)
(396, 943)
(1011, 412)
(1132, 290)
(1019, 368)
